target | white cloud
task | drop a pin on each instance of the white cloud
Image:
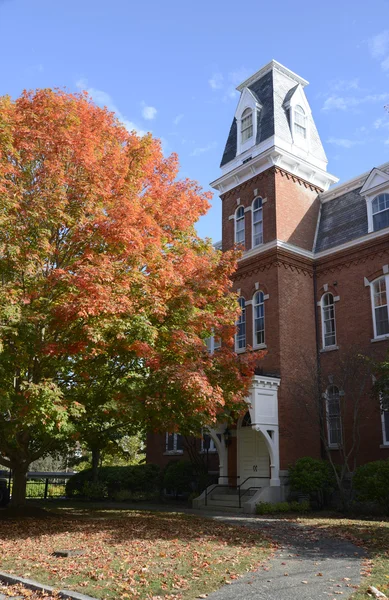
(177, 119)
(148, 112)
(344, 103)
(103, 99)
(385, 64)
(240, 75)
(343, 142)
(379, 44)
(216, 81)
(198, 151)
(381, 123)
(341, 85)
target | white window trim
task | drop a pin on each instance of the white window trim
(252, 222)
(369, 197)
(238, 350)
(247, 100)
(174, 451)
(331, 346)
(244, 226)
(212, 448)
(384, 335)
(385, 441)
(326, 396)
(263, 345)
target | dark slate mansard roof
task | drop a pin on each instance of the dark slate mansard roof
(341, 220)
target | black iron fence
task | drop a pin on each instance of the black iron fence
(41, 485)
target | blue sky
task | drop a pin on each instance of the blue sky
(171, 67)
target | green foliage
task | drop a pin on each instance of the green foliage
(310, 475)
(180, 477)
(268, 508)
(94, 490)
(143, 479)
(371, 482)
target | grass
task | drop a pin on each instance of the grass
(373, 535)
(130, 554)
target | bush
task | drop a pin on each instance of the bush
(267, 508)
(311, 476)
(144, 480)
(180, 477)
(371, 483)
(94, 490)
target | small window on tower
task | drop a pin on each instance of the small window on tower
(247, 125)
(300, 125)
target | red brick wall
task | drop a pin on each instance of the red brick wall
(156, 452)
(344, 275)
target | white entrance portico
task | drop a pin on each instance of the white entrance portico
(255, 457)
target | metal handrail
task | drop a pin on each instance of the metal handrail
(238, 487)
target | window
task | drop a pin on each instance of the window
(257, 222)
(380, 209)
(213, 343)
(334, 420)
(174, 443)
(300, 127)
(240, 336)
(385, 426)
(207, 443)
(246, 125)
(328, 320)
(259, 319)
(239, 225)
(380, 307)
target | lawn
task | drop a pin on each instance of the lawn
(130, 554)
(372, 535)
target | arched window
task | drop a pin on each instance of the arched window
(334, 419)
(259, 319)
(240, 337)
(246, 125)
(257, 222)
(380, 210)
(300, 126)
(380, 307)
(246, 421)
(239, 225)
(328, 320)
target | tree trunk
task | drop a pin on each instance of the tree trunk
(19, 484)
(96, 452)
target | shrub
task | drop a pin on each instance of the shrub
(180, 477)
(141, 479)
(371, 483)
(311, 476)
(94, 490)
(267, 508)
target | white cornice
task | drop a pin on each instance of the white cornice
(276, 244)
(260, 381)
(349, 185)
(274, 156)
(273, 64)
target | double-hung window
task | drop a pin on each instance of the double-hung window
(240, 336)
(380, 306)
(385, 426)
(207, 443)
(246, 125)
(300, 125)
(257, 220)
(174, 443)
(259, 319)
(328, 320)
(334, 419)
(239, 225)
(380, 210)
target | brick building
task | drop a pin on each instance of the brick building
(311, 283)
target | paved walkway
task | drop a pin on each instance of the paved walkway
(306, 565)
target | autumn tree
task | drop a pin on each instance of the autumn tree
(102, 272)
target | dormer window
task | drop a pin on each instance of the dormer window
(247, 129)
(380, 209)
(300, 122)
